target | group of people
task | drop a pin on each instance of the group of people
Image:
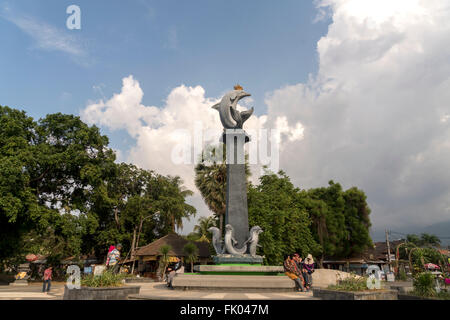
(299, 270)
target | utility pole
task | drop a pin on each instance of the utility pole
(388, 250)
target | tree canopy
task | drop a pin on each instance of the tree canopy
(274, 206)
(62, 193)
(425, 239)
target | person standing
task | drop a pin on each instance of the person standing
(309, 268)
(47, 279)
(293, 272)
(113, 259)
(172, 272)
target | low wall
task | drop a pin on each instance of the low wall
(113, 293)
(324, 277)
(325, 294)
(411, 297)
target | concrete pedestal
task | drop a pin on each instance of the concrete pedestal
(239, 270)
(232, 259)
(239, 283)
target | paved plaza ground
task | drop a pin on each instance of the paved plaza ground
(158, 291)
(150, 291)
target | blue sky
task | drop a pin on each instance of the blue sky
(260, 44)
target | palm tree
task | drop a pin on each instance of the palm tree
(173, 204)
(204, 223)
(165, 258)
(211, 179)
(191, 252)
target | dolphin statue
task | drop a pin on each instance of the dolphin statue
(230, 241)
(253, 240)
(230, 117)
(217, 240)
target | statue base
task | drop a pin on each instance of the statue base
(237, 259)
(234, 132)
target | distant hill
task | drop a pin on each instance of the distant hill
(441, 229)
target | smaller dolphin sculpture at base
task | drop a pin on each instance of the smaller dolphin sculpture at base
(230, 241)
(217, 240)
(252, 242)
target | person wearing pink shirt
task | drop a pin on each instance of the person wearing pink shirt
(47, 279)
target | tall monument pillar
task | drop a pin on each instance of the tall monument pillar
(237, 210)
(239, 244)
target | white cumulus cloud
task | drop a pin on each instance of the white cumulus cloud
(375, 114)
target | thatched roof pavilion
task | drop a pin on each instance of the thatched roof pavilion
(176, 242)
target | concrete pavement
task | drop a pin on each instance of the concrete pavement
(159, 291)
(151, 291)
(32, 292)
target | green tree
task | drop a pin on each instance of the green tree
(62, 193)
(274, 206)
(413, 239)
(422, 256)
(430, 240)
(191, 254)
(330, 212)
(340, 219)
(425, 240)
(49, 169)
(357, 221)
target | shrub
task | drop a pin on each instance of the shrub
(402, 275)
(423, 284)
(351, 283)
(106, 279)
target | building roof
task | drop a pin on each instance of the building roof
(375, 255)
(177, 244)
(379, 251)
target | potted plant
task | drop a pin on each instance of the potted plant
(355, 288)
(106, 286)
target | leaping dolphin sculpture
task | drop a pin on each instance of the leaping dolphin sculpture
(230, 117)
